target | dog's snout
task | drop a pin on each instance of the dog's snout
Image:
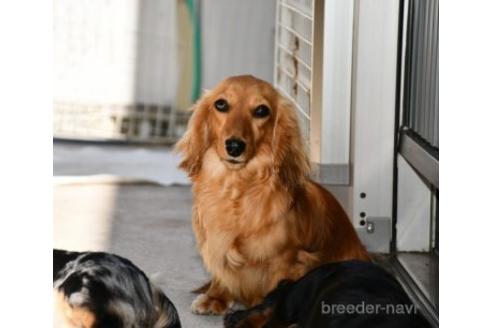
(235, 147)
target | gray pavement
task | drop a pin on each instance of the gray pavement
(156, 164)
(149, 224)
(132, 201)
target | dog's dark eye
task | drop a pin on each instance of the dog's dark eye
(261, 111)
(221, 105)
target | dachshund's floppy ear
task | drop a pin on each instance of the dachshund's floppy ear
(195, 141)
(290, 158)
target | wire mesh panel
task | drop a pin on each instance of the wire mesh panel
(294, 58)
(421, 99)
(144, 123)
(115, 69)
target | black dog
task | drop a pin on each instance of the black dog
(96, 290)
(347, 294)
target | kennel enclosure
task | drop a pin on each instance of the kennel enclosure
(363, 76)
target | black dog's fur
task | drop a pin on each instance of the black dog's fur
(300, 303)
(113, 291)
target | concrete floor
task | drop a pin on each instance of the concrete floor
(146, 219)
(149, 224)
(156, 164)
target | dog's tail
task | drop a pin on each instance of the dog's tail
(167, 315)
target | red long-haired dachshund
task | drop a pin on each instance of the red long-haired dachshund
(257, 217)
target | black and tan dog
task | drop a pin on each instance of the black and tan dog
(350, 294)
(101, 290)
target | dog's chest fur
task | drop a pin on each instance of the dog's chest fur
(246, 218)
(244, 221)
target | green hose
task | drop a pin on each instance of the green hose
(197, 50)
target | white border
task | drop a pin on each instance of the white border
(26, 165)
(465, 163)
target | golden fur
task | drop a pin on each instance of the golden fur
(258, 219)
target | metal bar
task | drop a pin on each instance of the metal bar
(422, 71)
(413, 74)
(290, 53)
(277, 38)
(431, 72)
(296, 10)
(316, 95)
(436, 91)
(296, 81)
(426, 73)
(403, 24)
(436, 120)
(407, 100)
(296, 34)
(299, 109)
(416, 294)
(418, 81)
(434, 77)
(421, 103)
(420, 156)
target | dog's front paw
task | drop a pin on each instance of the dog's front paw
(204, 304)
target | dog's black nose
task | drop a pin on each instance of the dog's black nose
(235, 147)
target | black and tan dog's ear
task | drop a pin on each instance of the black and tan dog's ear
(290, 158)
(195, 141)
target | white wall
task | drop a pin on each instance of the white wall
(373, 116)
(238, 38)
(115, 51)
(337, 79)
(124, 51)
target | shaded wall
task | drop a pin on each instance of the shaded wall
(238, 38)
